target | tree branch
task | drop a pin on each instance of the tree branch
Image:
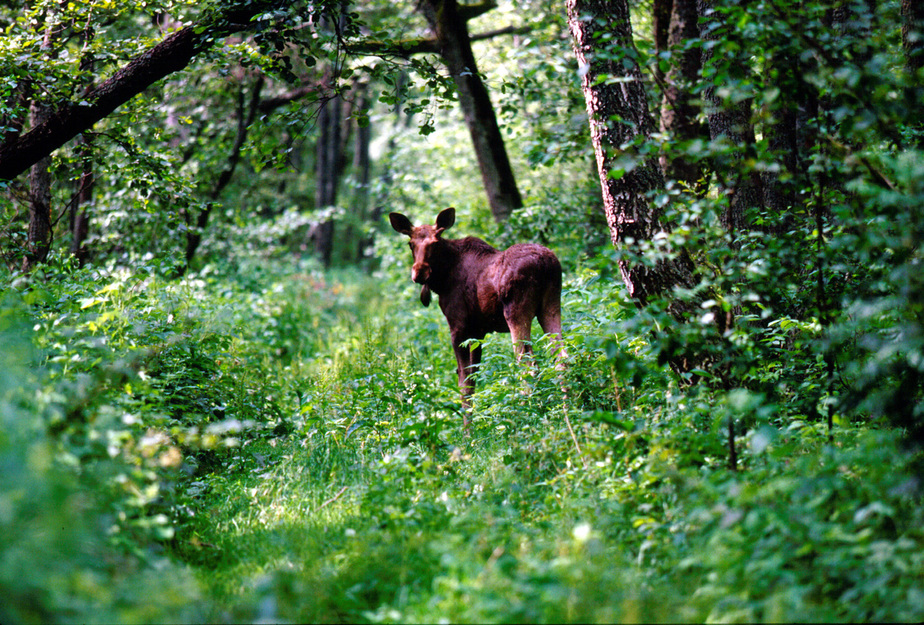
(408, 47)
(403, 48)
(268, 105)
(469, 12)
(171, 55)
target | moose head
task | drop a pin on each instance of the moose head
(425, 244)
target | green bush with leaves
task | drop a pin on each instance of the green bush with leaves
(254, 438)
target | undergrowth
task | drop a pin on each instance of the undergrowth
(291, 449)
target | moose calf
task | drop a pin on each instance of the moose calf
(482, 289)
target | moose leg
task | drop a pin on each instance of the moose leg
(467, 360)
(519, 320)
(473, 365)
(550, 320)
(522, 339)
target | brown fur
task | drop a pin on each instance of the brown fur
(483, 290)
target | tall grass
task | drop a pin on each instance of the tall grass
(290, 448)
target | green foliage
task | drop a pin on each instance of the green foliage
(264, 440)
(295, 439)
(831, 545)
(58, 561)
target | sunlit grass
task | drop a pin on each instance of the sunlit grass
(341, 486)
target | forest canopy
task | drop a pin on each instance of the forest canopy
(222, 400)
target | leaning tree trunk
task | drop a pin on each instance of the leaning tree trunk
(618, 112)
(454, 42)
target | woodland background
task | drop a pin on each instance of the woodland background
(221, 400)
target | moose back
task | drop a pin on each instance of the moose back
(482, 289)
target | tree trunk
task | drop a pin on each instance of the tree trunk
(80, 218)
(633, 221)
(451, 31)
(330, 148)
(329, 153)
(660, 28)
(38, 241)
(913, 34)
(790, 135)
(362, 166)
(246, 114)
(913, 45)
(69, 120)
(39, 235)
(677, 25)
(732, 121)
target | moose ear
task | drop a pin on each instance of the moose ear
(425, 295)
(446, 218)
(400, 223)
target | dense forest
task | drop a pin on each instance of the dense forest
(223, 401)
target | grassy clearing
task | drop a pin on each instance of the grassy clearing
(290, 449)
(380, 508)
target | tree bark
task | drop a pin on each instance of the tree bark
(618, 114)
(913, 45)
(246, 114)
(328, 168)
(38, 241)
(450, 28)
(362, 165)
(913, 34)
(72, 118)
(732, 121)
(676, 24)
(80, 218)
(660, 27)
(789, 134)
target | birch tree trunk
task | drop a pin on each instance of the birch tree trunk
(618, 113)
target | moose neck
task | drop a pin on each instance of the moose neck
(444, 263)
(456, 262)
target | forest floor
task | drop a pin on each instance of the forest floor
(286, 445)
(382, 508)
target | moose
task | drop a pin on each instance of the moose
(482, 289)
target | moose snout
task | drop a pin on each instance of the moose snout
(420, 273)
